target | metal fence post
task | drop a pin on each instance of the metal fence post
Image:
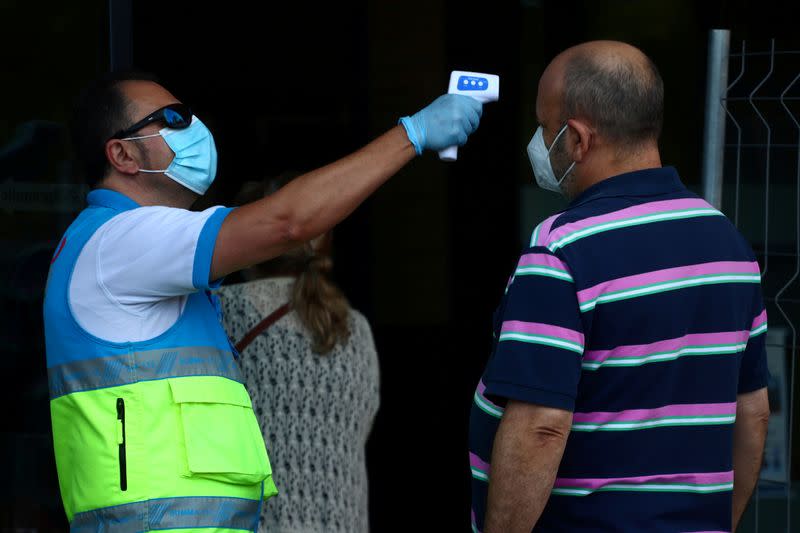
(714, 135)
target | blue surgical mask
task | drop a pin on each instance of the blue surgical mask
(195, 163)
(539, 155)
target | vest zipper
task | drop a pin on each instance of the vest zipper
(123, 468)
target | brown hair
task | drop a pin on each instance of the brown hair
(318, 302)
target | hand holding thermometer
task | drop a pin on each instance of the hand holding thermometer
(482, 87)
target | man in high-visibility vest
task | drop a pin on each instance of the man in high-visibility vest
(152, 426)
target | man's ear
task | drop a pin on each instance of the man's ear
(123, 156)
(581, 139)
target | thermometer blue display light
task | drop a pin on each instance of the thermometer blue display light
(482, 87)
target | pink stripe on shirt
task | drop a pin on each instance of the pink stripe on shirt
(544, 260)
(667, 275)
(669, 345)
(708, 478)
(535, 328)
(667, 411)
(759, 320)
(650, 208)
(478, 463)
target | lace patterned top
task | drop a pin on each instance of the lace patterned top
(315, 411)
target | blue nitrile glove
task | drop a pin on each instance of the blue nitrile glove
(447, 121)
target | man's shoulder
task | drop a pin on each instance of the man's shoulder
(155, 222)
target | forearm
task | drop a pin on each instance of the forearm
(749, 434)
(309, 205)
(320, 199)
(525, 457)
(747, 456)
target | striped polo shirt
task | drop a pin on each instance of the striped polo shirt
(639, 309)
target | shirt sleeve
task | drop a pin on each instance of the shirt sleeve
(152, 253)
(537, 356)
(753, 372)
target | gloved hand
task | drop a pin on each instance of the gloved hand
(447, 121)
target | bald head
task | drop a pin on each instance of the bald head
(611, 85)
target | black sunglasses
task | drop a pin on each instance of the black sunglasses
(175, 116)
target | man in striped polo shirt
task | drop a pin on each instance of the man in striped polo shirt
(627, 380)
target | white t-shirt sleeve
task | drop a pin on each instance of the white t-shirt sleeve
(152, 253)
(132, 279)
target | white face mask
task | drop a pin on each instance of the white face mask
(539, 155)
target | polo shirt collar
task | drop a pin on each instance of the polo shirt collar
(648, 182)
(111, 199)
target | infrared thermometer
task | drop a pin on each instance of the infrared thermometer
(482, 87)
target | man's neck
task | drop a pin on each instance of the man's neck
(649, 158)
(146, 196)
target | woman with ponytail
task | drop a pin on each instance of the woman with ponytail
(309, 362)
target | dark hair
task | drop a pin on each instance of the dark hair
(318, 302)
(100, 110)
(624, 99)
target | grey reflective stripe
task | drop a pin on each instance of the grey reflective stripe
(125, 369)
(170, 513)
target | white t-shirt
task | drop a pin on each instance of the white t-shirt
(133, 277)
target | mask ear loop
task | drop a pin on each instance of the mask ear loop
(566, 173)
(560, 133)
(146, 137)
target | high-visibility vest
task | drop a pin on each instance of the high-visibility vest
(158, 434)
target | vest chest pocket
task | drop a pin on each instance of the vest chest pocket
(221, 436)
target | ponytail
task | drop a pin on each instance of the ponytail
(320, 305)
